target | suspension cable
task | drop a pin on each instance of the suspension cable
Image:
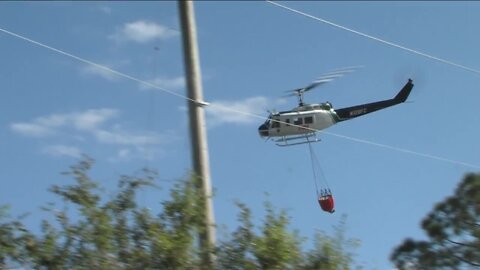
(312, 161)
(317, 161)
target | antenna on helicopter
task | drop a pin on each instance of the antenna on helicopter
(324, 78)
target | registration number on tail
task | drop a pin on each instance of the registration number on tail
(358, 112)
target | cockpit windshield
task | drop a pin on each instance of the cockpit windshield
(268, 121)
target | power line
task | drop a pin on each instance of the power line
(377, 39)
(118, 73)
(394, 148)
(121, 74)
(404, 150)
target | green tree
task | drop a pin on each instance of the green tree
(95, 231)
(8, 247)
(235, 253)
(453, 230)
(276, 247)
(332, 252)
(109, 234)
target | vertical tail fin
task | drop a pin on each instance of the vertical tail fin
(403, 94)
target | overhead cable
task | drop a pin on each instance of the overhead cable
(102, 67)
(448, 62)
(126, 76)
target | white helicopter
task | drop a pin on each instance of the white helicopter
(300, 125)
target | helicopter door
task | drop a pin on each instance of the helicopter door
(275, 123)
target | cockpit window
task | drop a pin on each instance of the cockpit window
(267, 122)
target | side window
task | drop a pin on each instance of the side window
(298, 121)
(275, 124)
(308, 120)
(287, 121)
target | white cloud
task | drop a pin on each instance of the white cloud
(49, 125)
(106, 70)
(123, 153)
(91, 119)
(52, 121)
(31, 129)
(62, 150)
(100, 72)
(105, 9)
(91, 127)
(145, 153)
(166, 83)
(40, 127)
(143, 31)
(239, 112)
(126, 138)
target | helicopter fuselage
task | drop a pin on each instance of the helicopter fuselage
(306, 119)
(300, 120)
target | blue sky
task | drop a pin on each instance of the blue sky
(54, 108)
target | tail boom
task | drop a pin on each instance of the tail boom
(359, 110)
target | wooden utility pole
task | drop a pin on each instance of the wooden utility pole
(197, 127)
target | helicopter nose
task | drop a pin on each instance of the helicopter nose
(263, 130)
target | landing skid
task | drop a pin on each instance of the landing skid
(296, 140)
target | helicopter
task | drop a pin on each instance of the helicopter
(301, 124)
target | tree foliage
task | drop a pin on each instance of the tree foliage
(94, 231)
(332, 252)
(453, 230)
(275, 247)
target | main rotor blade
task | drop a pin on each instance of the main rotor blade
(294, 92)
(344, 70)
(324, 78)
(330, 76)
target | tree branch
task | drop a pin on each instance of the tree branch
(460, 244)
(466, 261)
(472, 223)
